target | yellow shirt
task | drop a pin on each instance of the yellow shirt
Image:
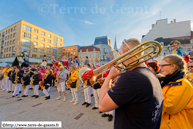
(6, 71)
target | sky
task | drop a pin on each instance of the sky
(79, 22)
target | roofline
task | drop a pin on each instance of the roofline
(10, 25)
(71, 46)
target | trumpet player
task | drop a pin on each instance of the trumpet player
(47, 84)
(74, 82)
(61, 83)
(16, 81)
(26, 81)
(11, 88)
(35, 80)
(5, 81)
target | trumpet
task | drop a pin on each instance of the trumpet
(31, 83)
(150, 49)
(22, 83)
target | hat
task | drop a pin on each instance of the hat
(76, 57)
(62, 67)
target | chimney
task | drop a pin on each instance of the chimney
(171, 22)
(153, 25)
(174, 20)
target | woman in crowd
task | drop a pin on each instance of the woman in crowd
(177, 91)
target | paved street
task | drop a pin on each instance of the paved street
(31, 109)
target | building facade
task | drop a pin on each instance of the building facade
(93, 53)
(70, 52)
(164, 33)
(24, 36)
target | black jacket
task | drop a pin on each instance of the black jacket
(36, 79)
(48, 80)
(9, 74)
(26, 80)
(19, 74)
(31, 72)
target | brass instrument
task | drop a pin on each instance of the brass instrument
(16, 79)
(1, 77)
(56, 80)
(31, 83)
(44, 76)
(150, 49)
(22, 84)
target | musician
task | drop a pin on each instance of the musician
(61, 83)
(136, 97)
(16, 81)
(76, 60)
(54, 74)
(5, 81)
(31, 71)
(11, 88)
(41, 72)
(87, 94)
(36, 79)
(26, 82)
(96, 90)
(47, 84)
(74, 79)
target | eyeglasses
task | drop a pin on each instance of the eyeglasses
(164, 65)
(190, 66)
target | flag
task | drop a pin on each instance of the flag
(15, 62)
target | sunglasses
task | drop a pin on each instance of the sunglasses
(190, 66)
(164, 65)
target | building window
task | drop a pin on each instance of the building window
(60, 44)
(10, 49)
(35, 30)
(54, 54)
(13, 48)
(86, 50)
(41, 57)
(49, 35)
(15, 27)
(26, 35)
(55, 39)
(59, 54)
(10, 42)
(11, 29)
(14, 34)
(60, 40)
(24, 48)
(43, 39)
(74, 49)
(83, 56)
(7, 43)
(49, 41)
(42, 45)
(35, 43)
(11, 36)
(5, 50)
(90, 55)
(34, 49)
(41, 51)
(68, 53)
(43, 33)
(48, 52)
(54, 49)
(25, 42)
(26, 28)
(13, 41)
(59, 49)
(98, 56)
(93, 55)
(94, 49)
(6, 31)
(8, 36)
(55, 44)
(34, 56)
(48, 47)
(35, 37)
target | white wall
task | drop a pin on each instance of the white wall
(165, 30)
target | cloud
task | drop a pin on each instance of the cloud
(87, 22)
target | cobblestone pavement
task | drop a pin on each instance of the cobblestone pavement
(31, 109)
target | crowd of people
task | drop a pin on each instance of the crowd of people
(148, 95)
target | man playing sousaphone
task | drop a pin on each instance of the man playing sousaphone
(137, 95)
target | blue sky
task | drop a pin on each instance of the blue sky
(79, 22)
